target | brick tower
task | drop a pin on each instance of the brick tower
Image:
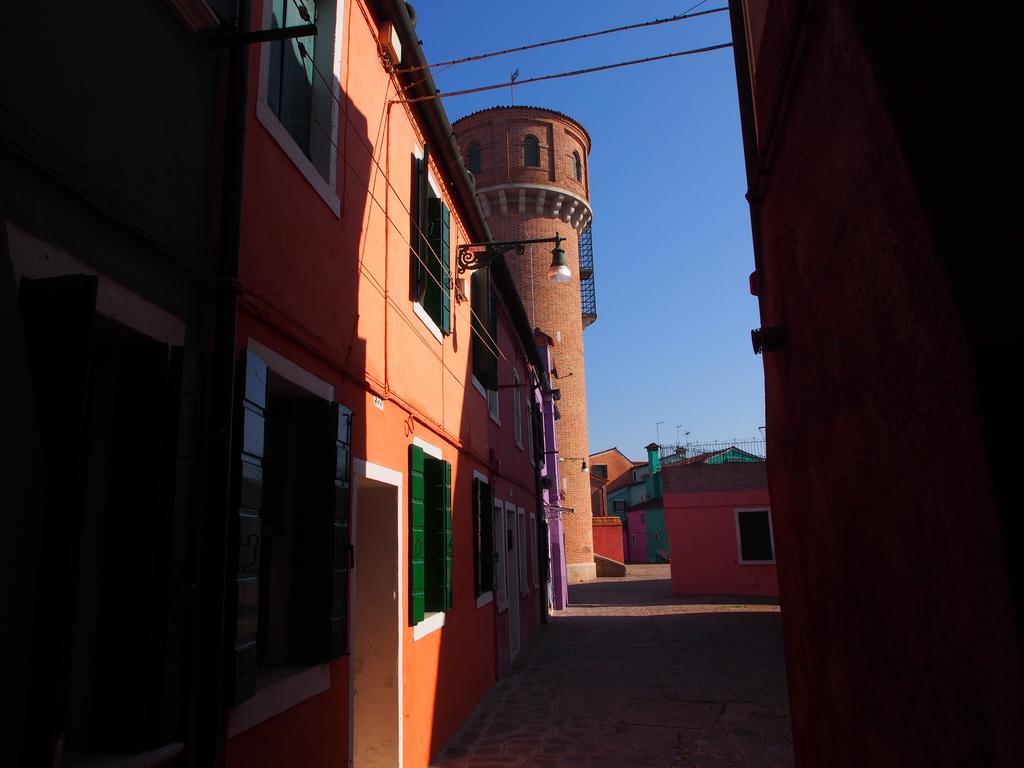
(532, 179)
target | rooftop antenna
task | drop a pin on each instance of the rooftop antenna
(677, 433)
(512, 85)
(657, 431)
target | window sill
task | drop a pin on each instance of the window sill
(755, 562)
(502, 606)
(480, 388)
(302, 163)
(484, 599)
(428, 626)
(428, 321)
(279, 697)
(495, 419)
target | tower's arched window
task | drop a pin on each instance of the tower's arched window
(577, 166)
(474, 158)
(531, 152)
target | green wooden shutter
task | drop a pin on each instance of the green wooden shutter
(432, 255)
(417, 490)
(491, 373)
(446, 519)
(417, 257)
(244, 662)
(477, 591)
(444, 251)
(434, 554)
(486, 538)
(341, 496)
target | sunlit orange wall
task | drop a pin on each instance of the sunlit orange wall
(331, 294)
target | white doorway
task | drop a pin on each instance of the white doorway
(376, 673)
(512, 565)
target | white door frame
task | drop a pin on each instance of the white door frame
(362, 469)
(512, 567)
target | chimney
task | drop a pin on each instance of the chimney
(653, 458)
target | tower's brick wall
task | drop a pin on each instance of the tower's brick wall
(529, 202)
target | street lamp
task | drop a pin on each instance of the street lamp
(469, 260)
(582, 460)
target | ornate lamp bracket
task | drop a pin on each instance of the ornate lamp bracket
(474, 256)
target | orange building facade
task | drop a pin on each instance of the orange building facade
(422, 576)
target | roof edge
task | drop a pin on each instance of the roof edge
(420, 82)
(499, 107)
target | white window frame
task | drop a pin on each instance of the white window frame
(484, 597)
(326, 188)
(739, 541)
(299, 683)
(417, 306)
(432, 620)
(491, 396)
(493, 406)
(517, 409)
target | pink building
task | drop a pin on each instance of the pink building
(719, 523)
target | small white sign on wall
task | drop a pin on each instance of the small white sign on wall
(378, 402)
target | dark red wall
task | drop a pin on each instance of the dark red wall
(892, 514)
(608, 538)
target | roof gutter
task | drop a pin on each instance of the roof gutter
(445, 149)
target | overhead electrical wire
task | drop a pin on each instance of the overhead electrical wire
(488, 340)
(558, 75)
(573, 38)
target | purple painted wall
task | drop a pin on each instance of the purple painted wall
(550, 483)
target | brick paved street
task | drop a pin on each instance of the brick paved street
(634, 676)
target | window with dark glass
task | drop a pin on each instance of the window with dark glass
(577, 166)
(292, 570)
(430, 260)
(474, 158)
(531, 152)
(755, 533)
(299, 79)
(483, 537)
(485, 330)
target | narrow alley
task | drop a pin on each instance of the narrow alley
(632, 675)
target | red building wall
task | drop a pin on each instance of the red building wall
(895, 509)
(608, 538)
(705, 558)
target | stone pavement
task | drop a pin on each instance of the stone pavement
(631, 675)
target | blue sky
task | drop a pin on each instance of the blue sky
(672, 245)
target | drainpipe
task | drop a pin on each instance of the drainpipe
(215, 550)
